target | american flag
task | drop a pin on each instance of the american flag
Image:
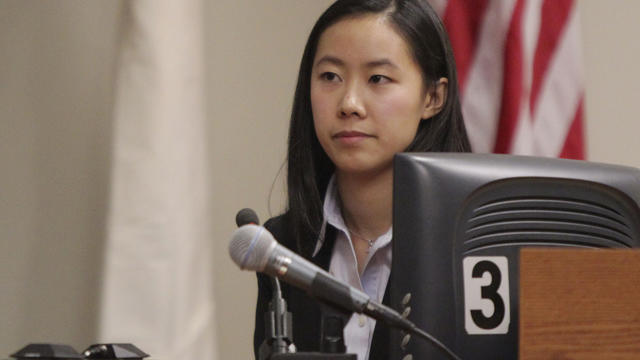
(520, 74)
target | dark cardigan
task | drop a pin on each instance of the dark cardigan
(306, 312)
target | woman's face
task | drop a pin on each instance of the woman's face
(367, 94)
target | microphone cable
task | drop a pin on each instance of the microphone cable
(426, 336)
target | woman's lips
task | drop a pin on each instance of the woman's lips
(351, 137)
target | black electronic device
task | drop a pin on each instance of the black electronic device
(114, 352)
(459, 221)
(43, 351)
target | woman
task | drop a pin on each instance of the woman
(377, 77)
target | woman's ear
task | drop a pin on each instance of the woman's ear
(435, 98)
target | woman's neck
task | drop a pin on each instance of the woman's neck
(366, 202)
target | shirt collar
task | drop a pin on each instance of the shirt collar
(332, 215)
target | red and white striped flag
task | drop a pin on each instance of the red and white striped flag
(520, 74)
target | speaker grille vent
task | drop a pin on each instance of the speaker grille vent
(540, 211)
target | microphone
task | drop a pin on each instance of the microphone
(247, 216)
(279, 329)
(253, 248)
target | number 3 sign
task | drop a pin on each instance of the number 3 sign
(486, 294)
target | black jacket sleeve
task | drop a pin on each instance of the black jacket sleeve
(262, 306)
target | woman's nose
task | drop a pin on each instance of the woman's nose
(352, 103)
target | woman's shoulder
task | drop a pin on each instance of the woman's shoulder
(277, 224)
(279, 227)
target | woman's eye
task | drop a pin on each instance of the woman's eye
(378, 79)
(329, 76)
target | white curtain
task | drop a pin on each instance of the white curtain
(157, 291)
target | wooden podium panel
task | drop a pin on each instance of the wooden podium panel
(579, 304)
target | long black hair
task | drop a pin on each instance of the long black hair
(309, 167)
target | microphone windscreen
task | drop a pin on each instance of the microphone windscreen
(247, 216)
(250, 247)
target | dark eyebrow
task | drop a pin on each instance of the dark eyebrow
(371, 64)
(381, 62)
(330, 59)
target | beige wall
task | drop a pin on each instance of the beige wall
(612, 54)
(56, 70)
(254, 51)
